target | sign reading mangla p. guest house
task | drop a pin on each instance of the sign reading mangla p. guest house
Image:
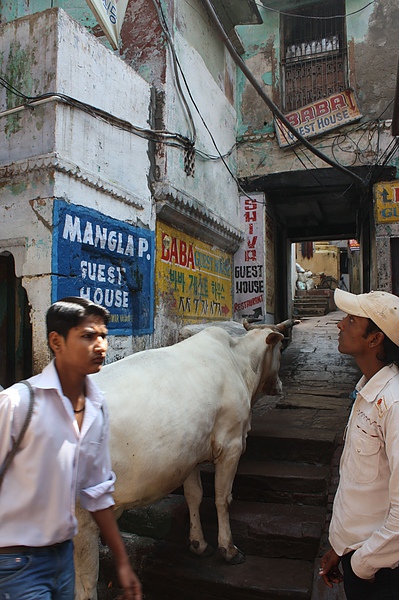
(318, 117)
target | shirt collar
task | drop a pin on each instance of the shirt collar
(48, 379)
(371, 388)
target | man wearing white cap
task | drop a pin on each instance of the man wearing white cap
(364, 529)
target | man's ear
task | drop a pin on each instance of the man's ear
(376, 339)
(55, 341)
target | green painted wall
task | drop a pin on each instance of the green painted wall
(77, 9)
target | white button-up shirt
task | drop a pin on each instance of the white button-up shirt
(366, 507)
(56, 464)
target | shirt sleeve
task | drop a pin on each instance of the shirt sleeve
(96, 493)
(381, 549)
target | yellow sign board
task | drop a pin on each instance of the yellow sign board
(193, 278)
(386, 201)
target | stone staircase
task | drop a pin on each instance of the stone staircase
(313, 303)
(277, 517)
(282, 495)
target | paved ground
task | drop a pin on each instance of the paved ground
(317, 380)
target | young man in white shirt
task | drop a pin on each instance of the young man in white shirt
(63, 457)
(364, 529)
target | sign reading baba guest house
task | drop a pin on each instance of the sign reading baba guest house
(318, 117)
(107, 261)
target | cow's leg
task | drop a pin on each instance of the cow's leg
(225, 470)
(193, 494)
(86, 556)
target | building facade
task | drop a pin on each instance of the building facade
(331, 69)
(117, 171)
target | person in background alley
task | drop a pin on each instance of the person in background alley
(364, 529)
(63, 456)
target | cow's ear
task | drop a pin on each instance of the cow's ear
(273, 338)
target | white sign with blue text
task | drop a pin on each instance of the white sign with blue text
(110, 15)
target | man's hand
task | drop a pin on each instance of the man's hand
(329, 570)
(105, 520)
(129, 581)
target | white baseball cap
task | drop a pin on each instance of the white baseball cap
(382, 308)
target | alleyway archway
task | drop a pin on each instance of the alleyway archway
(316, 205)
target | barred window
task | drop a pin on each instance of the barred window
(314, 54)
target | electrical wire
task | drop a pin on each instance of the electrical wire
(176, 66)
(220, 156)
(287, 14)
(275, 110)
(162, 136)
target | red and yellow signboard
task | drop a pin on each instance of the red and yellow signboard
(193, 277)
(386, 196)
(318, 117)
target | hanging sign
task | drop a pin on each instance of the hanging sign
(110, 15)
(249, 261)
(318, 117)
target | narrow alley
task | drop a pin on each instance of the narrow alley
(282, 493)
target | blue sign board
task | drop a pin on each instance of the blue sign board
(107, 261)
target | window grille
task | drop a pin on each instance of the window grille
(314, 54)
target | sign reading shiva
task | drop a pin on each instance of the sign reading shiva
(107, 261)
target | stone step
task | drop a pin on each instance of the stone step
(274, 436)
(310, 300)
(170, 572)
(259, 529)
(310, 312)
(274, 481)
(311, 293)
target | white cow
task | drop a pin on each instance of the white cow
(170, 410)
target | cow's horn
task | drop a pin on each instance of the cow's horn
(285, 326)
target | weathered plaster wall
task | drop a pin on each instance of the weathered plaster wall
(15, 9)
(372, 58)
(210, 75)
(262, 55)
(143, 44)
(382, 279)
(59, 151)
(212, 184)
(373, 55)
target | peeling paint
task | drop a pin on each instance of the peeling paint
(18, 72)
(17, 188)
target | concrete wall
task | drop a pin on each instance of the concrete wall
(324, 260)
(59, 151)
(203, 203)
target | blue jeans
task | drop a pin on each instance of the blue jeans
(385, 586)
(46, 573)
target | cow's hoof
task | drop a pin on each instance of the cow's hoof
(195, 549)
(237, 559)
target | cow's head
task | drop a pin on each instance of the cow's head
(275, 336)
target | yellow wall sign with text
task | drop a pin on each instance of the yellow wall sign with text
(193, 278)
(386, 200)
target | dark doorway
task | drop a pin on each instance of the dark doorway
(395, 265)
(15, 326)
